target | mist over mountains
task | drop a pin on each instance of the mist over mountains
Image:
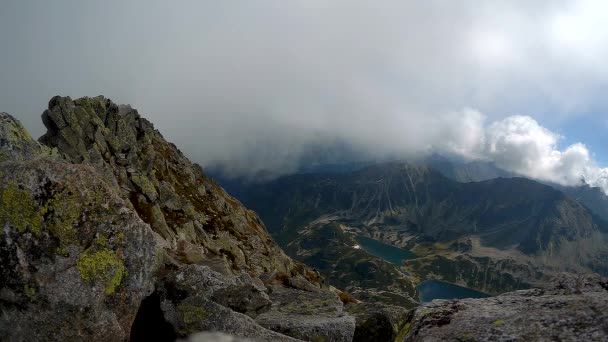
(254, 87)
(313, 170)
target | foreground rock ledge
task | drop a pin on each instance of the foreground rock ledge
(573, 308)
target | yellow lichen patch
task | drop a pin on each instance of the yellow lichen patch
(191, 313)
(104, 266)
(145, 185)
(120, 238)
(426, 312)
(403, 332)
(101, 240)
(29, 292)
(4, 156)
(66, 208)
(66, 211)
(19, 209)
(498, 322)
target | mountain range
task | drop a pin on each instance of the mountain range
(493, 235)
(110, 233)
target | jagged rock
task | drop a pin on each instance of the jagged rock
(75, 259)
(216, 337)
(573, 309)
(377, 322)
(191, 299)
(16, 143)
(110, 215)
(168, 191)
(299, 282)
(240, 294)
(245, 297)
(309, 316)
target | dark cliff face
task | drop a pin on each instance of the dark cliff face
(104, 214)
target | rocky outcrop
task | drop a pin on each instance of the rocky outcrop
(75, 258)
(377, 322)
(312, 316)
(573, 308)
(16, 143)
(216, 337)
(110, 233)
(198, 221)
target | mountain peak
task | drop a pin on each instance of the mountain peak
(120, 215)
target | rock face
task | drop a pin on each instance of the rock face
(192, 214)
(573, 308)
(306, 315)
(110, 233)
(16, 143)
(75, 258)
(376, 322)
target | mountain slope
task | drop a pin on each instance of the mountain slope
(593, 198)
(531, 227)
(111, 233)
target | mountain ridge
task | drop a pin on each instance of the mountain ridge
(104, 215)
(110, 233)
(416, 207)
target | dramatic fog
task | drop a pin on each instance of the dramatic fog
(257, 85)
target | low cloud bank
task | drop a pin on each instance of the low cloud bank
(518, 144)
(262, 87)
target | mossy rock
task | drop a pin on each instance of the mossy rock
(19, 209)
(102, 266)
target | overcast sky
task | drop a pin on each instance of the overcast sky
(252, 84)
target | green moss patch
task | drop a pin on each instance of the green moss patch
(145, 186)
(403, 332)
(191, 313)
(66, 208)
(19, 209)
(30, 292)
(498, 322)
(102, 266)
(4, 156)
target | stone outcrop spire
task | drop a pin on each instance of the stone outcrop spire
(113, 226)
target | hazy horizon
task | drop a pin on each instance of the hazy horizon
(262, 85)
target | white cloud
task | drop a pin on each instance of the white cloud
(254, 84)
(520, 144)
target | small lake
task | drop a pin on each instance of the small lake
(389, 253)
(434, 289)
(428, 289)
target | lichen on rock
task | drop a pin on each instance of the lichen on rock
(19, 209)
(117, 213)
(67, 236)
(102, 266)
(570, 308)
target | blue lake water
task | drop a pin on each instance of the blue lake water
(428, 289)
(433, 289)
(389, 253)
